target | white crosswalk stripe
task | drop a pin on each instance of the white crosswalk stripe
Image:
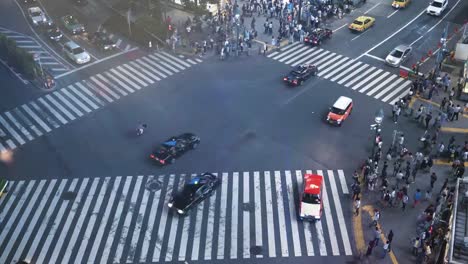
(109, 206)
(356, 75)
(10, 129)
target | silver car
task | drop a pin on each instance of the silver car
(398, 55)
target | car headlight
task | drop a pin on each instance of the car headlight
(317, 217)
(180, 211)
(170, 204)
(34, 22)
(339, 120)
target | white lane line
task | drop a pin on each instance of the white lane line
(10, 144)
(322, 72)
(199, 61)
(60, 107)
(94, 62)
(76, 100)
(210, 225)
(105, 88)
(176, 59)
(146, 66)
(272, 54)
(82, 96)
(163, 63)
(115, 221)
(92, 221)
(398, 97)
(374, 82)
(386, 90)
(50, 63)
(191, 61)
(307, 57)
(403, 86)
(127, 47)
(326, 58)
(292, 50)
(21, 220)
(136, 65)
(382, 84)
(294, 53)
(344, 186)
(49, 244)
(290, 46)
(345, 71)
(198, 231)
(324, 65)
(151, 223)
(11, 131)
(270, 216)
(246, 217)
(375, 57)
(339, 214)
(289, 195)
(132, 76)
(281, 215)
(128, 79)
(319, 56)
(359, 77)
(166, 59)
(329, 218)
(44, 224)
(36, 118)
(119, 82)
(19, 126)
(394, 12)
(89, 93)
(258, 212)
(157, 66)
(46, 115)
(162, 223)
(222, 217)
(136, 232)
(319, 230)
(307, 233)
(394, 33)
(371, 8)
(28, 121)
(172, 236)
(235, 213)
(412, 43)
(76, 229)
(335, 30)
(67, 103)
(355, 87)
(109, 84)
(360, 34)
(118, 42)
(126, 225)
(312, 49)
(2, 148)
(138, 72)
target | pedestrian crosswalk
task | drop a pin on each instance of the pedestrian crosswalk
(121, 43)
(60, 107)
(358, 76)
(125, 219)
(31, 45)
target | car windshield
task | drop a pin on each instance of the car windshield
(337, 111)
(311, 198)
(296, 73)
(436, 4)
(357, 22)
(36, 14)
(77, 50)
(397, 53)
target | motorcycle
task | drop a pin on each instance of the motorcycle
(140, 130)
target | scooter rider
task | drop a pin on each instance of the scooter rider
(140, 129)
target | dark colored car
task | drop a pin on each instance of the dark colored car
(174, 147)
(103, 41)
(317, 36)
(193, 192)
(300, 74)
(52, 31)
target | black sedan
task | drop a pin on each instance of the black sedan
(103, 41)
(193, 192)
(300, 74)
(52, 31)
(174, 147)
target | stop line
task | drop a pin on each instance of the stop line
(125, 219)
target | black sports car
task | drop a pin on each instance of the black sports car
(103, 41)
(174, 147)
(52, 31)
(194, 191)
(316, 36)
(300, 74)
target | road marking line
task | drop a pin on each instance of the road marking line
(339, 28)
(322, 72)
(319, 230)
(375, 57)
(396, 32)
(159, 60)
(294, 48)
(19, 126)
(281, 214)
(235, 213)
(403, 86)
(326, 52)
(145, 72)
(46, 115)
(82, 96)
(36, 118)
(144, 64)
(197, 59)
(119, 82)
(176, 59)
(130, 68)
(163, 222)
(105, 88)
(388, 88)
(89, 93)
(151, 221)
(294, 53)
(164, 58)
(357, 78)
(307, 57)
(366, 79)
(258, 212)
(210, 225)
(222, 218)
(198, 232)
(345, 71)
(74, 99)
(119, 41)
(374, 82)
(11, 130)
(191, 61)
(270, 216)
(371, 8)
(326, 58)
(382, 84)
(60, 107)
(28, 122)
(131, 77)
(306, 225)
(289, 195)
(322, 66)
(302, 54)
(344, 186)
(329, 218)
(94, 62)
(405, 92)
(394, 12)
(246, 216)
(157, 65)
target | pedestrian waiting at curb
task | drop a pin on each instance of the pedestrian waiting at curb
(386, 249)
(375, 218)
(357, 206)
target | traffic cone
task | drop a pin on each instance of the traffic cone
(423, 58)
(429, 53)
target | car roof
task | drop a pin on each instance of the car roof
(342, 102)
(312, 183)
(402, 47)
(72, 44)
(362, 18)
(34, 9)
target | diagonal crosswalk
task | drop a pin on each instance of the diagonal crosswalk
(253, 214)
(358, 76)
(41, 116)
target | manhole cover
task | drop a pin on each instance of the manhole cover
(69, 195)
(153, 185)
(256, 250)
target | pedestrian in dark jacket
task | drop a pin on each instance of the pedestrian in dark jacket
(390, 236)
(433, 179)
(370, 247)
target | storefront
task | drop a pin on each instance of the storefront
(464, 92)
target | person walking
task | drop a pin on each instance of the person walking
(370, 247)
(357, 205)
(417, 197)
(390, 236)
(386, 249)
(404, 201)
(433, 179)
(444, 185)
(456, 112)
(375, 218)
(428, 119)
(377, 233)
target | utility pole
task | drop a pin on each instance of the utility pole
(442, 51)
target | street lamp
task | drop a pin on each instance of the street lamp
(378, 119)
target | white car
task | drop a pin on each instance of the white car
(76, 53)
(398, 55)
(37, 16)
(437, 7)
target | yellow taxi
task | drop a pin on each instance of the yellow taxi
(362, 23)
(400, 3)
